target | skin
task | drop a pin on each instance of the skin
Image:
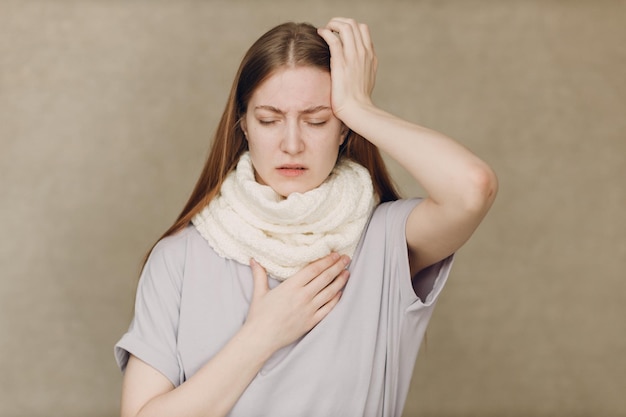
(293, 135)
(460, 189)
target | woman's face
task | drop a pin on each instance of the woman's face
(293, 135)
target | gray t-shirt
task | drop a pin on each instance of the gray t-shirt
(358, 361)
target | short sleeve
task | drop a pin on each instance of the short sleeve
(152, 335)
(429, 281)
(432, 281)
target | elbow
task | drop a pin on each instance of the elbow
(481, 189)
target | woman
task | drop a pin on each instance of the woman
(295, 188)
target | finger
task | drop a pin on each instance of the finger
(314, 269)
(344, 22)
(369, 45)
(326, 308)
(350, 34)
(325, 278)
(353, 29)
(331, 290)
(259, 280)
(334, 44)
(365, 35)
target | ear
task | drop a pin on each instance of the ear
(344, 134)
(244, 126)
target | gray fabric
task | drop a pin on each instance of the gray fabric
(357, 362)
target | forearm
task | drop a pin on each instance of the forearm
(276, 318)
(216, 387)
(447, 171)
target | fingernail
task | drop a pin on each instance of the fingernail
(346, 260)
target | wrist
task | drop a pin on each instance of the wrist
(353, 112)
(256, 340)
(361, 118)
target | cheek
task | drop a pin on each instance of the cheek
(329, 155)
(257, 167)
(334, 144)
(256, 142)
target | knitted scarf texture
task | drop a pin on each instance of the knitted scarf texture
(249, 220)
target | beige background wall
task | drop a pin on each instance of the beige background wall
(106, 108)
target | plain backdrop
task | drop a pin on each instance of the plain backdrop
(106, 113)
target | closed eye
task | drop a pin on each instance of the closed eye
(316, 123)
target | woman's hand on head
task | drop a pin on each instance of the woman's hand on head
(282, 315)
(353, 65)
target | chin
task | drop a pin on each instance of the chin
(287, 191)
(286, 194)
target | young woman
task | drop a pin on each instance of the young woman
(295, 282)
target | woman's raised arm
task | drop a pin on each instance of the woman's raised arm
(460, 186)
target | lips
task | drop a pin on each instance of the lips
(291, 170)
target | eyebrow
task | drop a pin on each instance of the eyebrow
(309, 110)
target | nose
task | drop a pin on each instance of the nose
(292, 142)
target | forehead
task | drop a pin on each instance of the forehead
(293, 88)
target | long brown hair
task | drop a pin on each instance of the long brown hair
(289, 44)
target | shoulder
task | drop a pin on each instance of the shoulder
(177, 244)
(169, 256)
(388, 221)
(397, 210)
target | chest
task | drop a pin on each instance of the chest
(340, 351)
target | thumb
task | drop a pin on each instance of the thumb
(259, 279)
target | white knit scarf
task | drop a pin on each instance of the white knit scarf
(249, 220)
